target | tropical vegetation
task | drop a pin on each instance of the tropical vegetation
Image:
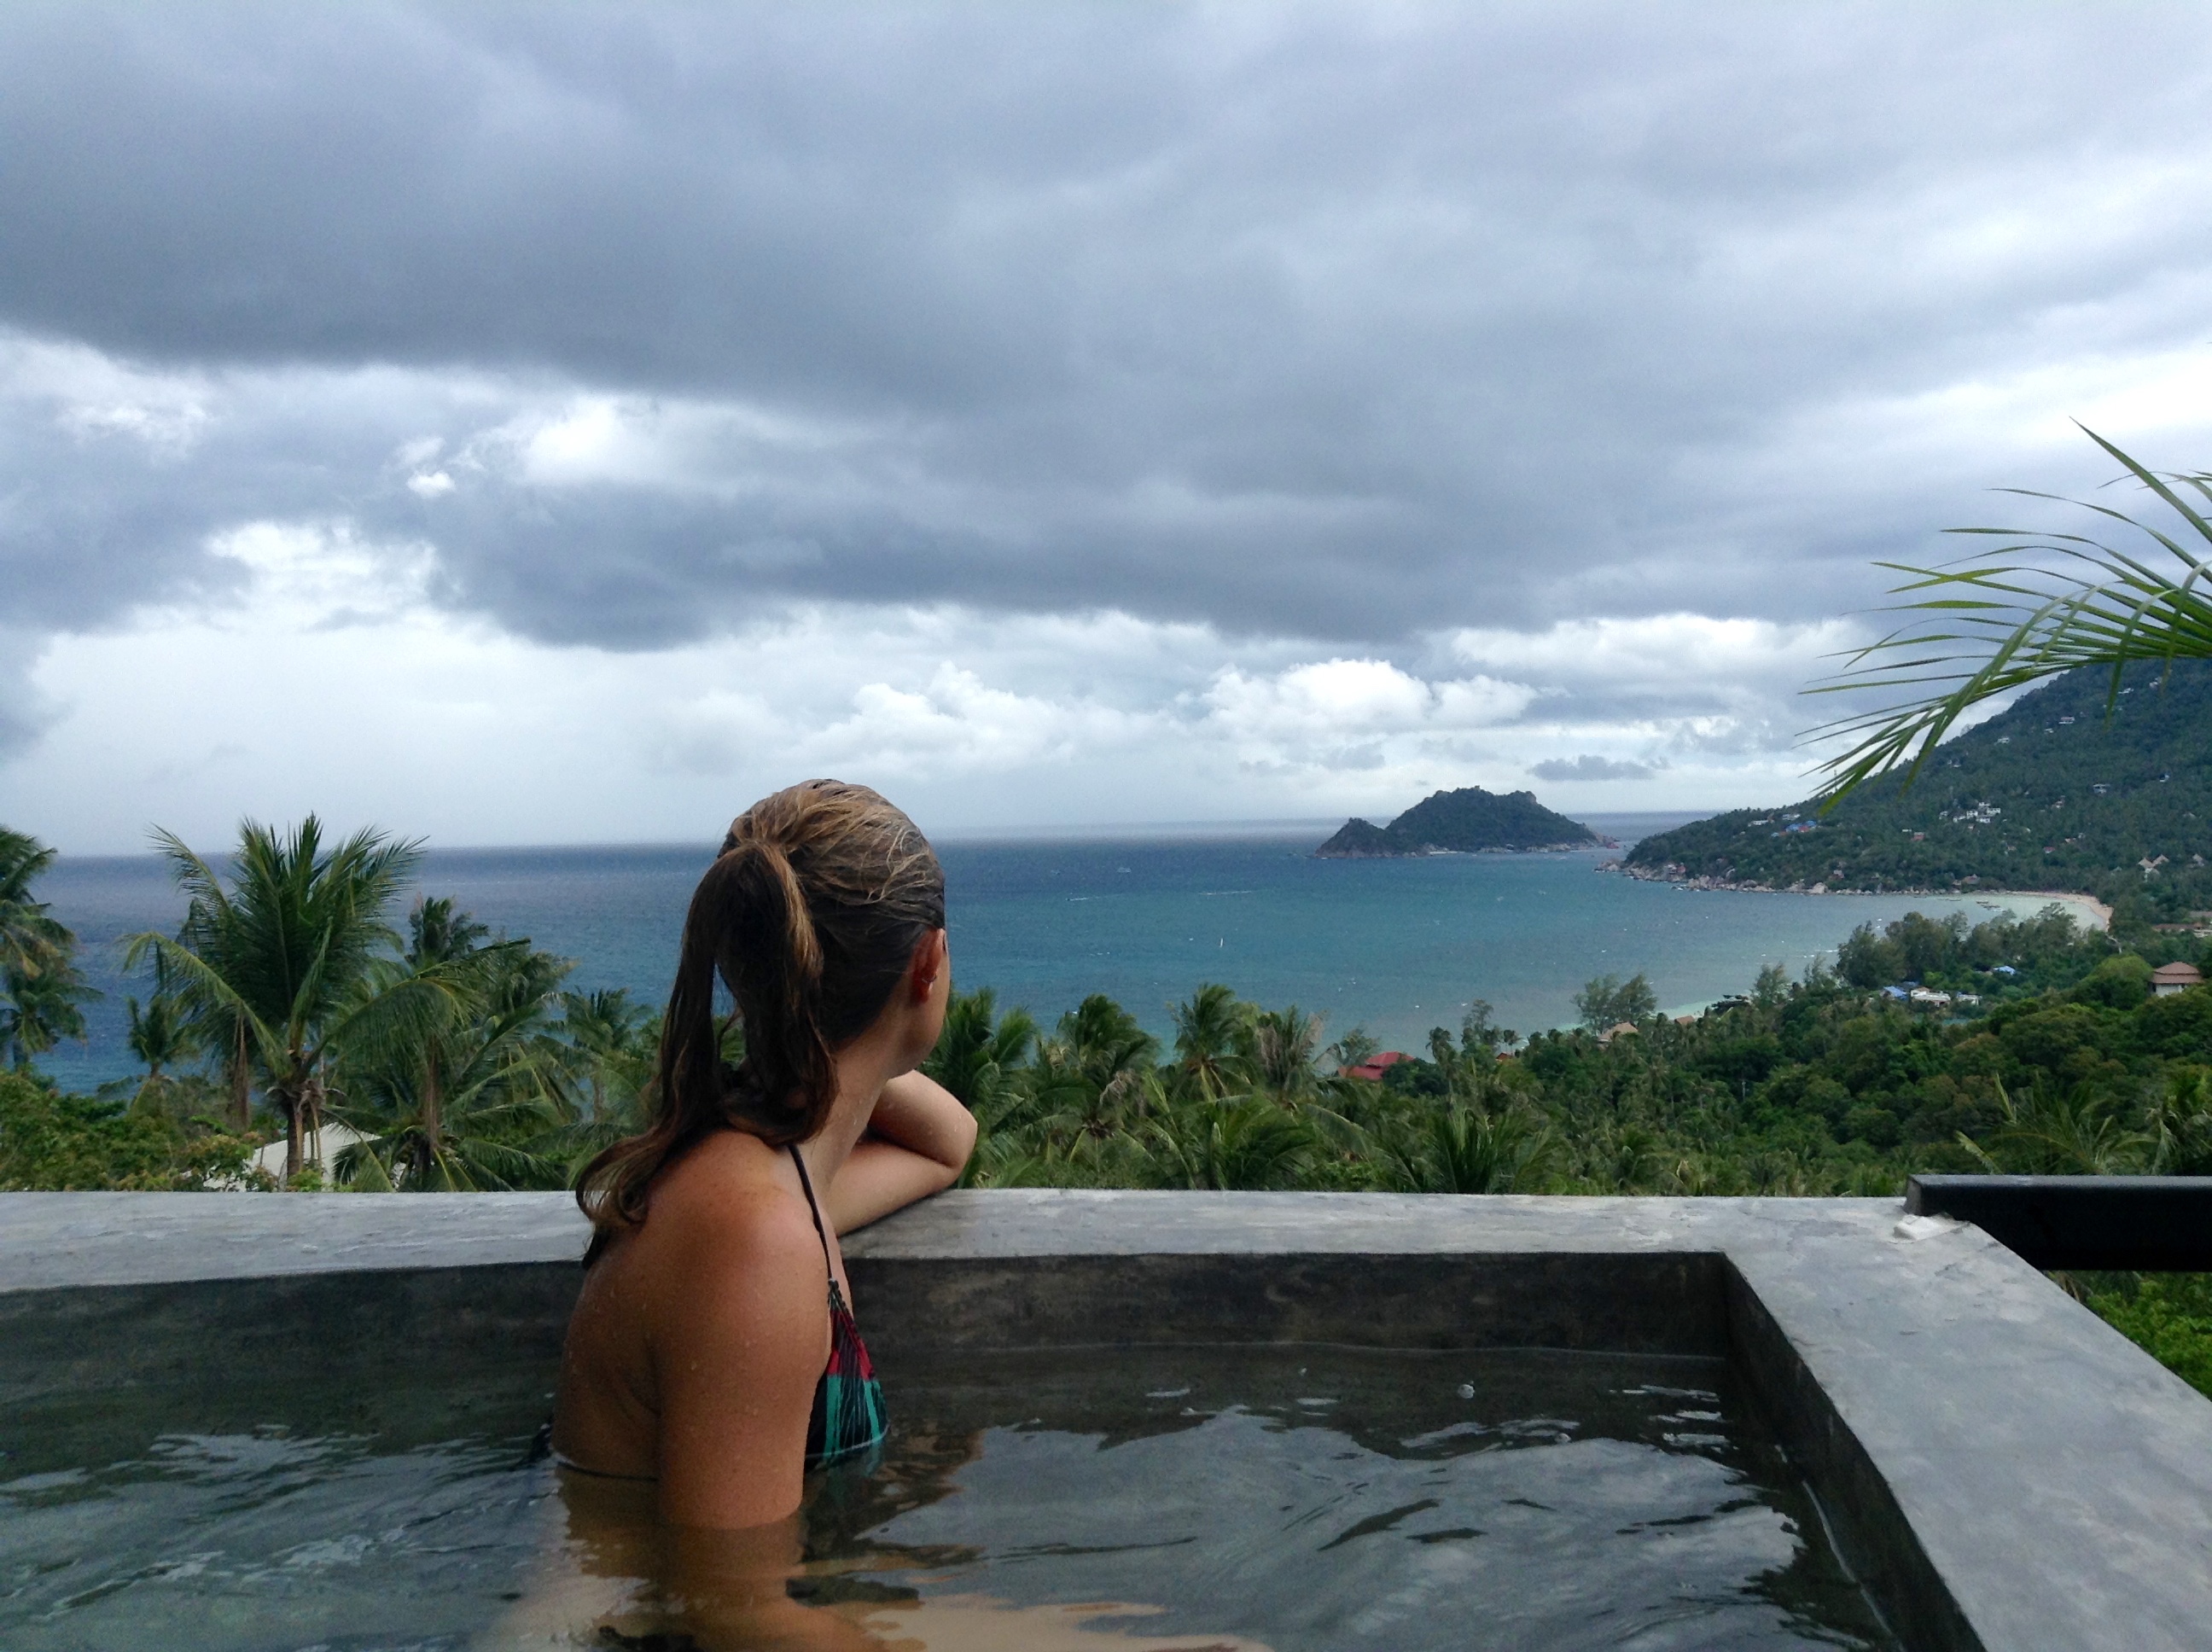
(39, 987)
(52, 1141)
(287, 1002)
(2048, 1052)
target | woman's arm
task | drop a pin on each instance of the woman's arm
(727, 1591)
(917, 1143)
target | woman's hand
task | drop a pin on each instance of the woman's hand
(918, 1141)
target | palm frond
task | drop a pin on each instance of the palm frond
(2031, 607)
(196, 976)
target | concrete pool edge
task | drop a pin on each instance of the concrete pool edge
(2001, 1468)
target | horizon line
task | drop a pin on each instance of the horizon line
(1091, 831)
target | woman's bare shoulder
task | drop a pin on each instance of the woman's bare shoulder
(724, 1214)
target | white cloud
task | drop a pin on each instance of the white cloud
(1351, 714)
(93, 396)
(715, 446)
(315, 575)
(1682, 656)
(330, 679)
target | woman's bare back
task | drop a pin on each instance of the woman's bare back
(646, 1335)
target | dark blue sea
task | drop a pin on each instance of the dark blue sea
(1397, 946)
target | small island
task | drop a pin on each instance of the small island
(1469, 821)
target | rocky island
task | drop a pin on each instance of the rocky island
(1469, 821)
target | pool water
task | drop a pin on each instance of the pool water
(1299, 1497)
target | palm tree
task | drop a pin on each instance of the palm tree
(2181, 1124)
(1466, 1149)
(160, 1037)
(436, 933)
(613, 1042)
(39, 987)
(460, 1098)
(1209, 1030)
(1283, 1042)
(37, 1011)
(1090, 1075)
(1105, 1038)
(2055, 1131)
(2029, 607)
(157, 1036)
(978, 1050)
(278, 970)
(1245, 1144)
(30, 941)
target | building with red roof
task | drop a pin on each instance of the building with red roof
(2170, 978)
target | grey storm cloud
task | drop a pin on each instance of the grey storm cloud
(1588, 767)
(1348, 323)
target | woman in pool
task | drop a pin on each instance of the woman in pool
(712, 1353)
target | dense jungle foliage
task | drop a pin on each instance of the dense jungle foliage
(450, 1059)
(2072, 787)
(1828, 1085)
(457, 1060)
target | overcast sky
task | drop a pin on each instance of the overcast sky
(544, 423)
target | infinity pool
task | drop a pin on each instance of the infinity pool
(1283, 1498)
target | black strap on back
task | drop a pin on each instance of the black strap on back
(814, 1211)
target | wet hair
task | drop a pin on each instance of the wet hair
(809, 915)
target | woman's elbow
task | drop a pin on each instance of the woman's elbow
(961, 1145)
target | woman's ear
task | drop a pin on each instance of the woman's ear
(931, 956)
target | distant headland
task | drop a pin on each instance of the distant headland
(2084, 786)
(1469, 821)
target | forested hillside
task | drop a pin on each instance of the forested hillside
(2069, 789)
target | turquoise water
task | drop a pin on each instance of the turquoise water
(1397, 946)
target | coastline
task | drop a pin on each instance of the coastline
(2090, 903)
(2089, 909)
(1431, 852)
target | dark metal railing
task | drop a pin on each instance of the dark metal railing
(2148, 1224)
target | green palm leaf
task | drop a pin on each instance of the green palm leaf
(2029, 608)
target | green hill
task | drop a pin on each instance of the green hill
(2051, 793)
(1465, 822)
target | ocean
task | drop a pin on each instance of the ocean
(1395, 946)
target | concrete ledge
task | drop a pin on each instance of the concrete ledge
(1873, 1531)
(2001, 1468)
(79, 1239)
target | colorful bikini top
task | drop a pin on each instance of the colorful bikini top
(848, 1402)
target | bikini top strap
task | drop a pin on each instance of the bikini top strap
(813, 1210)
